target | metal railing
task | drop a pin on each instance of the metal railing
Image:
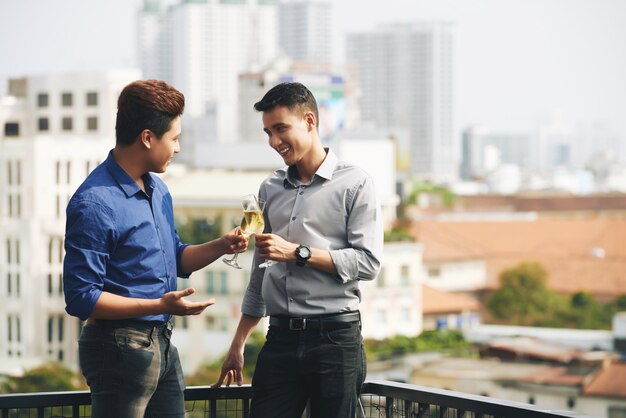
(380, 399)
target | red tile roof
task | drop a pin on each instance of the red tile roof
(438, 302)
(568, 248)
(610, 381)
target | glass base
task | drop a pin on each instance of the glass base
(232, 262)
(266, 263)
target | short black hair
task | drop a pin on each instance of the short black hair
(290, 95)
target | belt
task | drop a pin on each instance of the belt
(123, 323)
(332, 321)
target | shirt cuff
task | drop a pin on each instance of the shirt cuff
(346, 264)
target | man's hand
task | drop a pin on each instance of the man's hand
(234, 241)
(231, 369)
(273, 247)
(175, 303)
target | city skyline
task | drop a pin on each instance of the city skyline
(514, 61)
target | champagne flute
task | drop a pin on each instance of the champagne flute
(251, 223)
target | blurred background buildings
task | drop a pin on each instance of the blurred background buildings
(459, 208)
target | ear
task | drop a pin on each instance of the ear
(145, 137)
(311, 120)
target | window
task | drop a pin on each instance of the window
(223, 283)
(66, 124)
(42, 100)
(617, 412)
(404, 275)
(43, 124)
(92, 123)
(12, 129)
(210, 282)
(66, 99)
(434, 272)
(92, 99)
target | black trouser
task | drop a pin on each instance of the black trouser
(323, 365)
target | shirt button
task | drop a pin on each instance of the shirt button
(301, 193)
(290, 300)
(293, 219)
(163, 251)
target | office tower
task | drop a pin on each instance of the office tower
(305, 31)
(482, 151)
(201, 46)
(405, 77)
(56, 129)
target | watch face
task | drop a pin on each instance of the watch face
(303, 252)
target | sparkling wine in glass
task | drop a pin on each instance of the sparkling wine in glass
(251, 223)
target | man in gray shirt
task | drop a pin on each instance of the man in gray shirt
(323, 233)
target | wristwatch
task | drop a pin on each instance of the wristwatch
(303, 253)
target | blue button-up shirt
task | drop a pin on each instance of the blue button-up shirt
(119, 239)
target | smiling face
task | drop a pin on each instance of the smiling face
(290, 132)
(162, 149)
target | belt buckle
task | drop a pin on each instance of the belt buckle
(297, 324)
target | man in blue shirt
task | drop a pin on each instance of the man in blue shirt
(123, 257)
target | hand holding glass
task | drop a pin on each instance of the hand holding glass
(251, 223)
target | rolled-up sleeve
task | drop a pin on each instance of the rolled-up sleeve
(88, 239)
(362, 259)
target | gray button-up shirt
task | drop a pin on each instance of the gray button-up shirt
(337, 211)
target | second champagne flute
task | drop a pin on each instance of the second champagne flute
(251, 223)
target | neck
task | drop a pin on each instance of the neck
(131, 162)
(307, 167)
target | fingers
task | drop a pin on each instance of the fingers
(185, 292)
(220, 380)
(197, 308)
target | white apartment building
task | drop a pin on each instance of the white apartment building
(305, 30)
(56, 129)
(201, 46)
(405, 76)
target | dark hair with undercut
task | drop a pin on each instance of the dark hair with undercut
(290, 95)
(146, 104)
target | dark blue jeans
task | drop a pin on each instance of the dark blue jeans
(133, 371)
(323, 367)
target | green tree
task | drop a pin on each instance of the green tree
(523, 298)
(51, 377)
(196, 231)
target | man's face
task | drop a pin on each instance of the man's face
(163, 150)
(289, 132)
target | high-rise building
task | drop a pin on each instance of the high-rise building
(56, 129)
(201, 46)
(405, 77)
(483, 151)
(305, 30)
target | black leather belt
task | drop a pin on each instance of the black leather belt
(333, 321)
(133, 323)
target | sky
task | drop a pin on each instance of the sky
(515, 61)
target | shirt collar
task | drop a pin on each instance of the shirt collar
(122, 178)
(325, 170)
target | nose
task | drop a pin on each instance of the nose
(176, 147)
(274, 141)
